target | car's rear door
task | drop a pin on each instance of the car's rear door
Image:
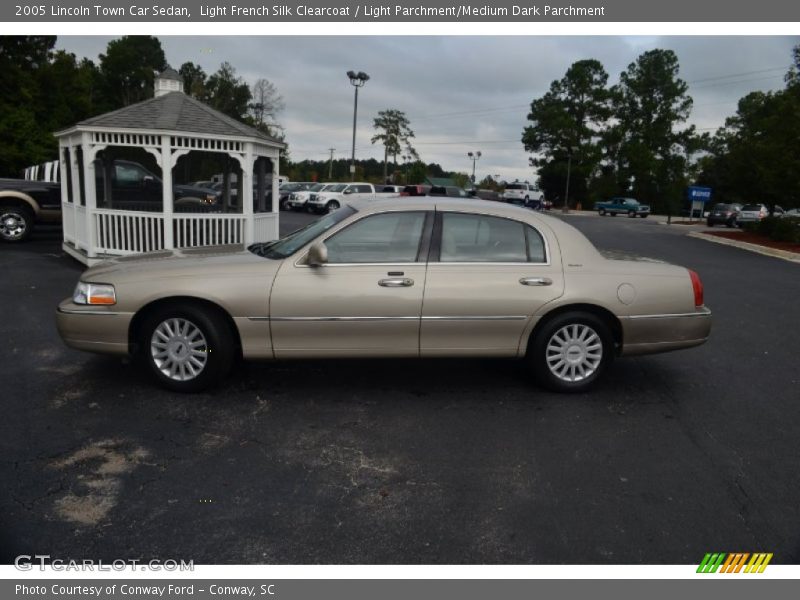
(366, 301)
(487, 275)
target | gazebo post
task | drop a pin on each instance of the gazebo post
(275, 186)
(167, 193)
(247, 195)
(90, 191)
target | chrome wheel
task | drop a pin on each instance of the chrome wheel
(13, 225)
(332, 206)
(574, 352)
(179, 349)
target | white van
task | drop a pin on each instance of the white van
(523, 193)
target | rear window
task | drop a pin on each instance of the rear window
(515, 186)
(751, 207)
(722, 207)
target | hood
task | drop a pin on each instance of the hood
(207, 261)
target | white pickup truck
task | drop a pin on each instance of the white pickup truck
(332, 197)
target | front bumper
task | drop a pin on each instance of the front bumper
(93, 328)
(651, 334)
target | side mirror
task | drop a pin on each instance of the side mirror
(348, 191)
(317, 255)
(147, 180)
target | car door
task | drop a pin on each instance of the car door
(487, 276)
(365, 301)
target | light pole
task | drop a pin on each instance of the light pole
(474, 157)
(357, 80)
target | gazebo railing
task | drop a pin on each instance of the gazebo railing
(128, 232)
(192, 230)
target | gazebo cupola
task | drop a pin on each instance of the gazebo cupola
(130, 178)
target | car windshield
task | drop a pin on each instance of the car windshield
(751, 207)
(336, 188)
(291, 187)
(316, 187)
(297, 239)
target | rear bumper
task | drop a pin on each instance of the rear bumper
(92, 328)
(651, 334)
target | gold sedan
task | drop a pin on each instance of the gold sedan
(417, 277)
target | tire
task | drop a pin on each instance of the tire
(632, 214)
(710, 224)
(166, 341)
(556, 362)
(16, 223)
(730, 224)
(602, 212)
(643, 216)
(613, 214)
(331, 206)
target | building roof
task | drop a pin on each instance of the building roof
(176, 111)
(170, 73)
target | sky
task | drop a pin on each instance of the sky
(460, 93)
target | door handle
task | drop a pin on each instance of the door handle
(396, 282)
(536, 281)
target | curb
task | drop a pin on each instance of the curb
(773, 252)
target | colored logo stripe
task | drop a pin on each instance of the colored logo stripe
(734, 562)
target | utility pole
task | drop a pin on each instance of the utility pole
(330, 165)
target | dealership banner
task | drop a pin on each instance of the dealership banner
(449, 11)
(369, 589)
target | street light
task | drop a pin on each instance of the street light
(357, 80)
(474, 157)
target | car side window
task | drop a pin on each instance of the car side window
(128, 175)
(483, 238)
(535, 244)
(386, 238)
(362, 189)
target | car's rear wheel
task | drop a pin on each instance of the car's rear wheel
(632, 214)
(602, 212)
(331, 206)
(188, 349)
(571, 351)
(16, 223)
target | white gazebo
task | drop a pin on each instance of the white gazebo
(168, 127)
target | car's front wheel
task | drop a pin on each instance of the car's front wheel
(632, 214)
(602, 212)
(331, 206)
(188, 349)
(570, 352)
(16, 223)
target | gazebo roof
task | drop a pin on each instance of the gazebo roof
(177, 112)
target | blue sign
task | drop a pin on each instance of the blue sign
(699, 194)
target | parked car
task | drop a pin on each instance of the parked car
(451, 191)
(623, 206)
(395, 190)
(723, 214)
(297, 200)
(523, 193)
(24, 204)
(415, 190)
(288, 188)
(330, 199)
(752, 213)
(792, 212)
(497, 281)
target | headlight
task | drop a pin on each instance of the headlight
(94, 293)
(211, 198)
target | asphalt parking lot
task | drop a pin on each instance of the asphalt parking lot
(672, 456)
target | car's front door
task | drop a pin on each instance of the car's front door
(487, 276)
(365, 301)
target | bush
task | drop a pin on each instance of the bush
(786, 229)
(766, 226)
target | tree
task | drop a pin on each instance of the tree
(395, 135)
(653, 153)
(267, 103)
(754, 156)
(129, 67)
(566, 125)
(194, 80)
(228, 93)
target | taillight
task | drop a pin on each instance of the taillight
(697, 287)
